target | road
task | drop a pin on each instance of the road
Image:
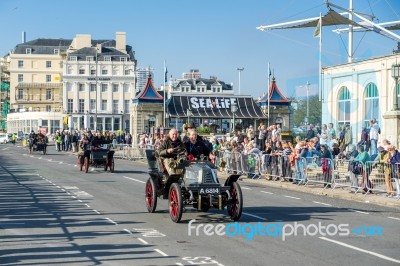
(51, 213)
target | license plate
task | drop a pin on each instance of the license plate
(211, 190)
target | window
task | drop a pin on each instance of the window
(398, 93)
(73, 58)
(116, 123)
(89, 58)
(104, 71)
(48, 109)
(48, 78)
(92, 105)
(81, 106)
(20, 94)
(69, 86)
(92, 86)
(107, 123)
(48, 94)
(103, 105)
(107, 58)
(123, 59)
(127, 72)
(126, 106)
(104, 87)
(344, 106)
(69, 70)
(115, 106)
(115, 87)
(81, 71)
(93, 72)
(20, 64)
(70, 105)
(48, 64)
(28, 50)
(126, 87)
(81, 87)
(56, 51)
(371, 103)
(20, 77)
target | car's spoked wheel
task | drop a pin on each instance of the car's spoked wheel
(235, 204)
(86, 164)
(175, 203)
(151, 197)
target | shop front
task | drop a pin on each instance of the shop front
(220, 113)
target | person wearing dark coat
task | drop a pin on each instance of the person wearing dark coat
(196, 147)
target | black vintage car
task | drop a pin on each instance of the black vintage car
(190, 183)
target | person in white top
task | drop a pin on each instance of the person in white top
(374, 136)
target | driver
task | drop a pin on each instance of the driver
(171, 145)
(196, 147)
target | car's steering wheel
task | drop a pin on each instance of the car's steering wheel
(179, 151)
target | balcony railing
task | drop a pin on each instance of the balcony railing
(39, 98)
(28, 85)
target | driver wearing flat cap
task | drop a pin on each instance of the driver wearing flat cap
(171, 146)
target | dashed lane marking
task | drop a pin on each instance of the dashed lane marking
(143, 241)
(394, 218)
(361, 250)
(255, 216)
(291, 197)
(140, 181)
(266, 192)
(160, 252)
(326, 204)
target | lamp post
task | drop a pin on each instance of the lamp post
(240, 69)
(189, 114)
(234, 109)
(395, 75)
(308, 110)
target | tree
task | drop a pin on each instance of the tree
(315, 111)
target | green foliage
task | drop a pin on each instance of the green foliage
(203, 130)
(314, 109)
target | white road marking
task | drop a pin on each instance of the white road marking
(266, 192)
(96, 211)
(160, 252)
(111, 221)
(129, 232)
(87, 205)
(73, 197)
(359, 211)
(80, 200)
(140, 181)
(394, 218)
(291, 197)
(58, 187)
(246, 188)
(255, 216)
(326, 204)
(361, 250)
(141, 240)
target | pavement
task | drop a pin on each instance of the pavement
(339, 192)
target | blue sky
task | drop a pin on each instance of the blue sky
(213, 36)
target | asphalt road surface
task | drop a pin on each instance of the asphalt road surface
(53, 214)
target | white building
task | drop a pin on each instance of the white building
(353, 93)
(99, 81)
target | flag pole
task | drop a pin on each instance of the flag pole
(320, 58)
(165, 95)
(268, 89)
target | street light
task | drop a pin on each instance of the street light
(189, 114)
(234, 109)
(396, 75)
(240, 70)
(308, 90)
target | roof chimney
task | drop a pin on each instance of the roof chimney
(23, 37)
(120, 40)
